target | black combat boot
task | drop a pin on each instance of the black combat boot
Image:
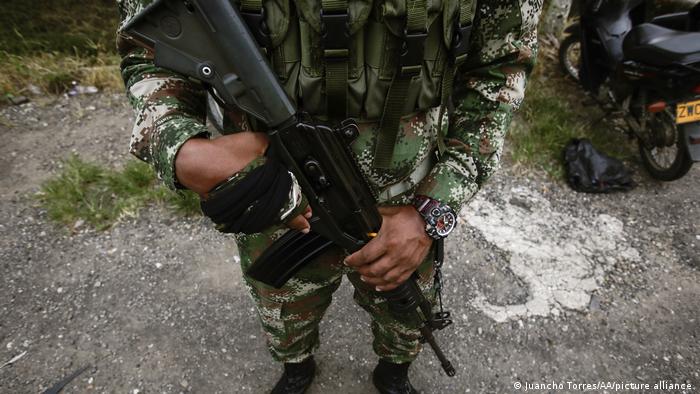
(297, 377)
(390, 378)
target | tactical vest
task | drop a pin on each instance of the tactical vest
(371, 60)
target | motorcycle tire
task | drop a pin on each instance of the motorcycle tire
(570, 56)
(679, 162)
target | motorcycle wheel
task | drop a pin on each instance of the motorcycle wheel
(664, 154)
(570, 56)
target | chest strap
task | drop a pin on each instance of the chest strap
(336, 38)
(410, 63)
(458, 54)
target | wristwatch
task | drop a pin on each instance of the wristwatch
(439, 218)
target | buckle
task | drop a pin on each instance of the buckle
(412, 49)
(258, 27)
(335, 32)
(460, 43)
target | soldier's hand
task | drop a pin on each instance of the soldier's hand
(201, 163)
(301, 222)
(399, 248)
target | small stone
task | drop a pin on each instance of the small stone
(34, 90)
(19, 100)
(59, 290)
(479, 331)
(159, 265)
(184, 383)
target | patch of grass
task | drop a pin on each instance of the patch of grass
(72, 27)
(98, 196)
(54, 73)
(51, 44)
(552, 114)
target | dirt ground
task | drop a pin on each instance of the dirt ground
(548, 288)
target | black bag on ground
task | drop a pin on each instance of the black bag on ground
(591, 171)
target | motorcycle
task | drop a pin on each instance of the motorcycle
(648, 72)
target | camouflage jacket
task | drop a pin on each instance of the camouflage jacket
(502, 50)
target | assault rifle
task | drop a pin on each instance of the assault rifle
(209, 41)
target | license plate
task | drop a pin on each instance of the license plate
(688, 112)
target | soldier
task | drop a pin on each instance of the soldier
(433, 86)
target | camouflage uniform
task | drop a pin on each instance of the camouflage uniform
(170, 110)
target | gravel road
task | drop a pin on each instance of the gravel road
(546, 286)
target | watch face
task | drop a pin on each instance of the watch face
(445, 223)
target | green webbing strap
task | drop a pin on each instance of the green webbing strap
(337, 63)
(336, 6)
(416, 15)
(465, 11)
(446, 92)
(391, 117)
(395, 102)
(336, 87)
(251, 5)
(465, 16)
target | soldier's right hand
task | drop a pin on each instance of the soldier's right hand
(201, 163)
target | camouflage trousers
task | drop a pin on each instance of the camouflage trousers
(290, 316)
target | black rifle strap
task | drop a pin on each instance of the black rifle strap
(438, 259)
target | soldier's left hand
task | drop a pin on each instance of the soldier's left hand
(399, 248)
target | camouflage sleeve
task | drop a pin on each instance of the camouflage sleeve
(502, 52)
(169, 108)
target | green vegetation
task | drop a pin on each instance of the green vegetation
(51, 44)
(553, 113)
(99, 197)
